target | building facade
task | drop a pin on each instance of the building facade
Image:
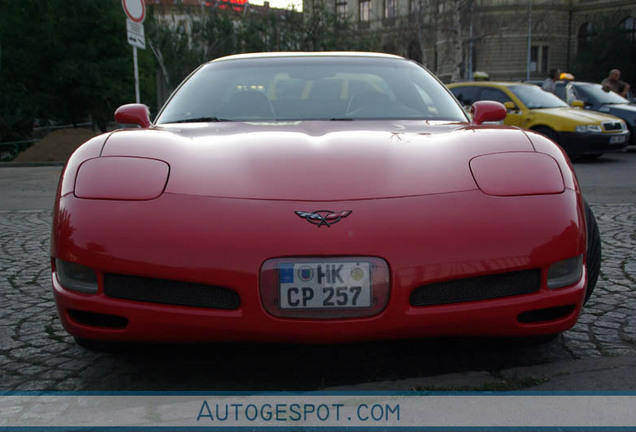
(507, 39)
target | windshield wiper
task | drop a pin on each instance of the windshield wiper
(200, 120)
(340, 119)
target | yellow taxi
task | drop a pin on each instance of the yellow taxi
(581, 133)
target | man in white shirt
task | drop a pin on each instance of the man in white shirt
(549, 84)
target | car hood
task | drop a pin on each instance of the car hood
(317, 161)
(624, 111)
(577, 115)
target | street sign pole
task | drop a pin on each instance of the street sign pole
(137, 98)
(136, 12)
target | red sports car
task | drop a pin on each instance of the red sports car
(319, 197)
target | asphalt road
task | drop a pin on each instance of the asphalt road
(28, 188)
(36, 353)
(610, 179)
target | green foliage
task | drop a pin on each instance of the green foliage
(269, 32)
(322, 30)
(610, 47)
(66, 60)
(183, 37)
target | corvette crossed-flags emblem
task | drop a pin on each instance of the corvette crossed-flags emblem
(323, 217)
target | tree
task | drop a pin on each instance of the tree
(323, 30)
(443, 27)
(66, 60)
(184, 36)
(609, 47)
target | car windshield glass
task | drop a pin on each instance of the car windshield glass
(594, 94)
(535, 97)
(311, 88)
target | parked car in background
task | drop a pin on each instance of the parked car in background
(595, 98)
(581, 133)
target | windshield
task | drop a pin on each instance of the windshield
(594, 94)
(534, 97)
(310, 88)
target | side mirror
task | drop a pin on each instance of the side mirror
(578, 104)
(510, 106)
(138, 114)
(488, 111)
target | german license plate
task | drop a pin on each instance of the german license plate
(324, 285)
(617, 139)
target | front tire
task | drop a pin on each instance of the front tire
(593, 254)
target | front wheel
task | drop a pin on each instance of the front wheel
(593, 254)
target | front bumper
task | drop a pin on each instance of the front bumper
(583, 144)
(225, 242)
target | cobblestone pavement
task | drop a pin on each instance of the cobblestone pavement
(37, 354)
(607, 326)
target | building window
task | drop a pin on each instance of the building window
(341, 10)
(585, 33)
(539, 58)
(365, 10)
(629, 26)
(390, 8)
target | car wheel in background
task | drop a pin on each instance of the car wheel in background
(547, 132)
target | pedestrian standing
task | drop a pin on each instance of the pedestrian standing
(613, 82)
(549, 84)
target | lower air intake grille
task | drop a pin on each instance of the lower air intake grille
(98, 319)
(612, 126)
(169, 292)
(478, 288)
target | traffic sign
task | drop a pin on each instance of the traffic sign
(135, 10)
(136, 35)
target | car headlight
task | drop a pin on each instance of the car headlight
(566, 272)
(516, 174)
(588, 129)
(76, 277)
(121, 178)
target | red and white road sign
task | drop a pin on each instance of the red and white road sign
(135, 10)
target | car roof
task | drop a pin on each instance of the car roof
(299, 54)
